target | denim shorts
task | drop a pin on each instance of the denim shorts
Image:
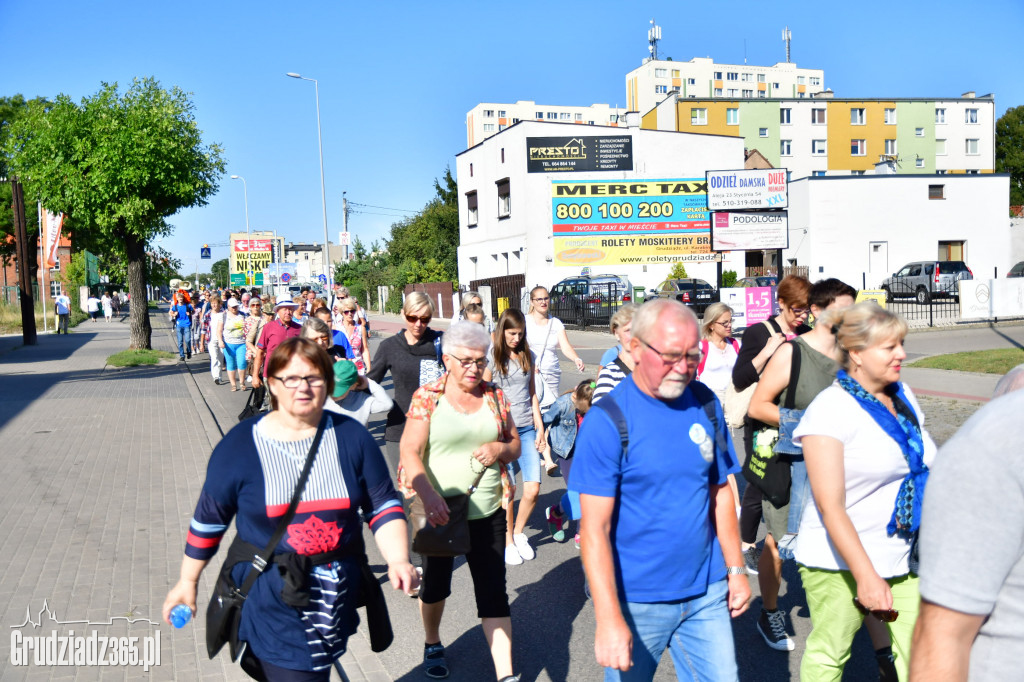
(529, 458)
(234, 356)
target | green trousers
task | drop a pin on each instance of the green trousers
(835, 620)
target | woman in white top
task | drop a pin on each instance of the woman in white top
(718, 349)
(867, 457)
(108, 308)
(216, 340)
(544, 334)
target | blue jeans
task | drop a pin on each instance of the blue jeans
(529, 458)
(697, 632)
(184, 338)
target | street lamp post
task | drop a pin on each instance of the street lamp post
(323, 189)
(248, 242)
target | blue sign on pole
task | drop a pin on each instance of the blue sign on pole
(204, 252)
(285, 277)
(323, 279)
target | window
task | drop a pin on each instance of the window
(732, 92)
(579, 117)
(470, 170)
(762, 132)
(940, 115)
(970, 115)
(731, 76)
(747, 77)
(55, 289)
(760, 78)
(856, 117)
(919, 162)
(501, 113)
(614, 118)
(818, 117)
(784, 116)
(815, 80)
(540, 115)
(565, 116)
(471, 219)
(819, 147)
(503, 155)
(488, 127)
(971, 172)
(488, 113)
(718, 75)
(940, 147)
(502, 126)
(785, 147)
(552, 116)
(801, 80)
(56, 265)
(691, 81)
(857, 172)
(760, 94)
(818, 174)
(775, 86)
(306, 255)
(971, 147)
(660, 89)
(718, 92)
(515, 120)
(748, 93)
(504, 198)
(890, 117)
(940, 172)
(936, 191)
(661, 73)
(732, 117)
(890, 147)
(698, 117)
(918, 132)
(675, 73)
(858, 148)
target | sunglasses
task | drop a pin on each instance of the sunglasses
(884, 615)
(542, 300)
(412, 319)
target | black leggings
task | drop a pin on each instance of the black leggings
(750, 512)
(486, 559)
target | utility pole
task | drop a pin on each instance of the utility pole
(344, 224)
(24, 253)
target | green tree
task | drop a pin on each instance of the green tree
(1010, 151)
(678, 271)
(219, 270)
(729, 278)
(12, 110)
(119, 164)
(433, 233)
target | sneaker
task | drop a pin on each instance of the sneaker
(576, 541)
(523, 545)
(435, 666)
(751, 557)
(772, 626)
(512, 556)
(556, 524)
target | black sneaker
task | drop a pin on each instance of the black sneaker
(772, 626)
(751, 557)
(435, 666)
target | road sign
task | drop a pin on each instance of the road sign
(323, 279)
(204, 252)
(344, 239)
(285, 277)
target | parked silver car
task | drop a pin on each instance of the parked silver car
(924, 280)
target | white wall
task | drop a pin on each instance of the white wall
(656, 154)
(843, 215)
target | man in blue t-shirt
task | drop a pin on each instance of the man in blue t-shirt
(658, 517)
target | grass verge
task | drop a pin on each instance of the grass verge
(999, 361)
(10, 318)
(133, 358)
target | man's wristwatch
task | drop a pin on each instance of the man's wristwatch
(736, 570)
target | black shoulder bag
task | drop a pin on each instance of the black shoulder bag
(224, 614)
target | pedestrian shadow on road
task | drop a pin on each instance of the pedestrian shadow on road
(49, 347)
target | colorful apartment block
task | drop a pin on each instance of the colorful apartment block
(824, 135)
(488, 118)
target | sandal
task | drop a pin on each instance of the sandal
(435, 666)
(556, 524)
(550, 468)
(233, 389)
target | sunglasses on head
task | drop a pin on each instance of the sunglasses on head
(884, 615)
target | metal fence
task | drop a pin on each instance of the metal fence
(921, 300)
(586, 304)
(504, 292)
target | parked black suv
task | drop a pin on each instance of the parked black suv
(692, 292)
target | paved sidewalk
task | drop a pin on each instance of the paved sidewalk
(102, 468)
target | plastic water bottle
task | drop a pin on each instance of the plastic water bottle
(180, 616)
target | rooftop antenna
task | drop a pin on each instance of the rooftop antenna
(787, 36)
(653, 36)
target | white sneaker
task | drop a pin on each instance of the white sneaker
(512, 556)
(523, 545)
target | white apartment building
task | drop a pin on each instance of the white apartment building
(701, 78)
(309, 260)
(508, 211)
(862, 229)
(489, 118)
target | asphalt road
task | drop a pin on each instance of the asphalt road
(553, 622)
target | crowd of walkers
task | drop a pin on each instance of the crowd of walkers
(688, 440)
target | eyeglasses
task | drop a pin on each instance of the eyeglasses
(412, 319)
(692, 357)
(542, 300)
(884, 615)
(727, 323)
(469, 362)
(313, 380)
(799, 311)
(352, 312)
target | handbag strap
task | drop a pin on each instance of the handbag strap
(262, 560)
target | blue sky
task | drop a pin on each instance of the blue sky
(397, 78)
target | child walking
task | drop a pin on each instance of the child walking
(563, 420)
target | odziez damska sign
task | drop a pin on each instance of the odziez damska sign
(559, 154)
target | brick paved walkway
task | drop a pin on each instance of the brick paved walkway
(101, 468)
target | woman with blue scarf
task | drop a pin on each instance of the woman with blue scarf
(867, 457)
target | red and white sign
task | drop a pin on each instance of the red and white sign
(247, 245)
(51, 237)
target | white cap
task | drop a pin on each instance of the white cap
(232, 302)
